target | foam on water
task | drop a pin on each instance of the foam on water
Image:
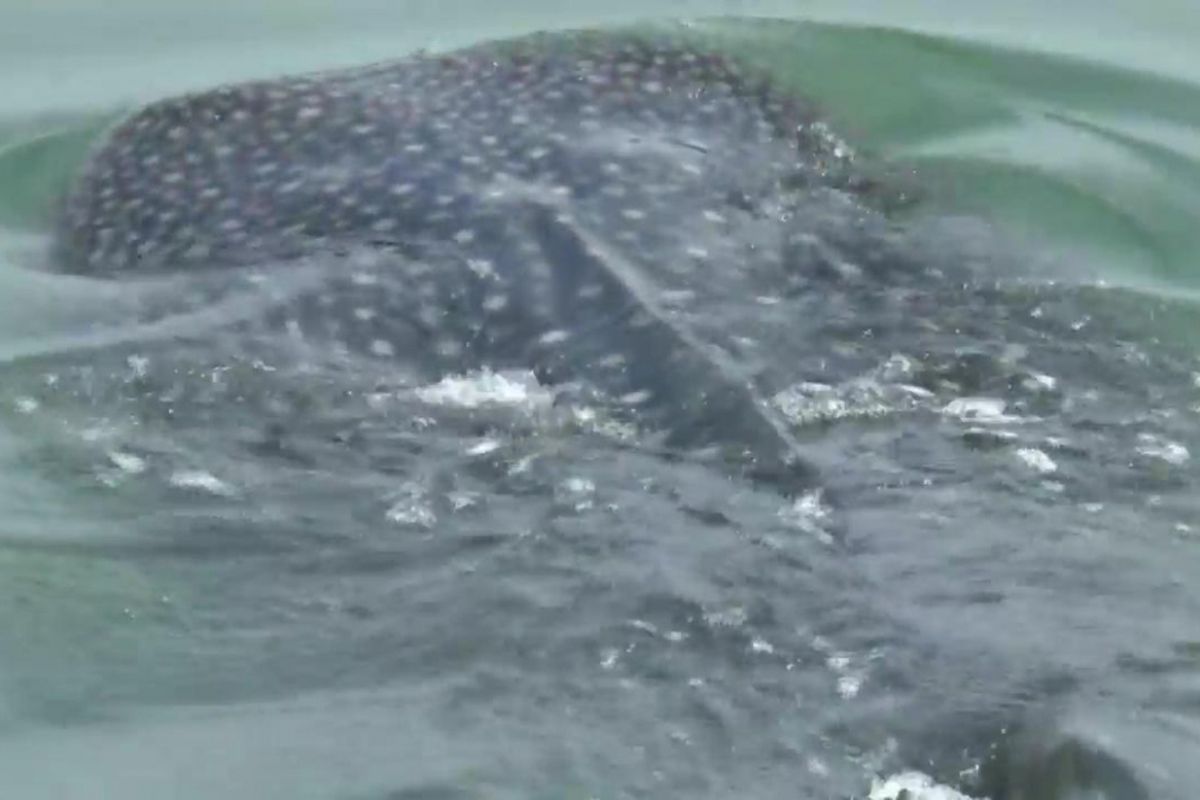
(913, 786)
(485, 387)
(1037, 460)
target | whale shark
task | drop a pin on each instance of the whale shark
(677, 239)
(585, 208)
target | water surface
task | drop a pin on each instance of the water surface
(246, 578)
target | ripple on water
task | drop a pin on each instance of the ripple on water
(635, 615)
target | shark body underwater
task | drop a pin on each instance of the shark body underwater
(587, 210)
(621, 214)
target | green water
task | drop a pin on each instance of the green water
(1075, 128)
(1089, 148)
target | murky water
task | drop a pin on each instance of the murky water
(233, 567)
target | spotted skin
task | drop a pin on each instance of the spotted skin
(575, 205)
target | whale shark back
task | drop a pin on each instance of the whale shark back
(585, 209)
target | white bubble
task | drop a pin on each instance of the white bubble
(26, 405)
(1152, 446)
(201, 481)
(848, 686)
(127, 462)
(485, 387)
(1037, 460)
(483, 447)
(912, 786)
(986, 410)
